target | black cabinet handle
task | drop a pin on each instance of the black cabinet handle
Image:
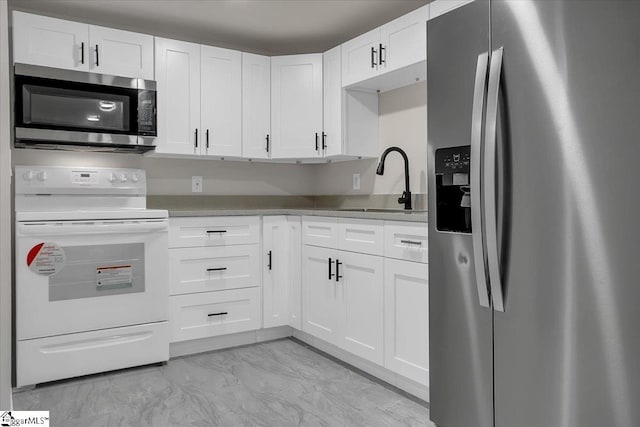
(267, 143)
(411, 242)
(82, 53)
(207, 138)
(316, 141)
(380, 60)
(270, 260)
(338, 276)
(97, 57)
(330, 273)
(373, 57)
(216, 231)
(324, 141)
(222, 313)
(196, 134)
(217, 269)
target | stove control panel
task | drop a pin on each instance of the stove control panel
(79, 180)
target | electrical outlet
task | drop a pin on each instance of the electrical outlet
(356, 181)
(196, 184)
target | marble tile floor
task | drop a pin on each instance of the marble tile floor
(274, 384)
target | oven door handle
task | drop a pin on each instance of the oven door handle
(90, 227)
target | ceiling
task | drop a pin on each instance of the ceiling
(275, 27)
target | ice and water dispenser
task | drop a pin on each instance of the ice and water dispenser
(453, 194)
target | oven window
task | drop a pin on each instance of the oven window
(99, 270)
(71, 108)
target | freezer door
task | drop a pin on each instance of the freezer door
(567, 346)
(460, 328)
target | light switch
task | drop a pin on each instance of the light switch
(196, 184)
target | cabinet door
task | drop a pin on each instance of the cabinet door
(332, 101)
(256, 106)
(360, 58)
(120, 53)
(275, 280)
(406, 313)
(320, 309)
(404, 40)
(221, 97)
(178, 77)
(50, 42)
(294, 261)
(360, 293)
(296, 106)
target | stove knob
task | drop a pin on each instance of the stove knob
(135, 177)
(29, 175)
(42, 176)
(112, 177)
(123, 177)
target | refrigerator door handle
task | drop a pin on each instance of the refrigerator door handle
(476, 161)
(489, 180)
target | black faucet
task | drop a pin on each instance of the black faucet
(406, 196)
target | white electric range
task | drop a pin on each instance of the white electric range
(91, 273)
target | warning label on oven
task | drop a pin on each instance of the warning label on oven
(114, 277)
(46, 258)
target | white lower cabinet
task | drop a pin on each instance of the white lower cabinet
(281, 272)
(210, 314)
(406, 312)
(320, 304)
(213, 268)
(343, 300)
(360, 296)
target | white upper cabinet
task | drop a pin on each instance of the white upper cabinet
(120, 53)
(50, 42)
(391, 56)
(403, 41)
(178, 77)
(350, 117)
(58, 43)
(360, 58)
(256, 106)
(199, 99)
(296, 106)
(220, 100)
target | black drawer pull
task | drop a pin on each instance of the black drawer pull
(222, 313)
(338, 276)
(217, 269)
(216, 231)
(82, 53)
(270, 260)
(330, 265)
(411, 242)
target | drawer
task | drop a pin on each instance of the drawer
(72, 355)
(320, 231)
(406, 240)
(213, 268)
(213, 231)
(214, 313)
(361, 235)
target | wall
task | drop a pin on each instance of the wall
(403, 123)
(5, 215)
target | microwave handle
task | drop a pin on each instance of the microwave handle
(82, 53)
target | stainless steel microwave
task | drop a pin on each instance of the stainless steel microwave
(64, 109)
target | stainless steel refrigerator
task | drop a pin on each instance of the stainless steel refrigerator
(534, 214)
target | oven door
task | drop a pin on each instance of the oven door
(74, 276)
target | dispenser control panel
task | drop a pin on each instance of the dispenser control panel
(453, 191)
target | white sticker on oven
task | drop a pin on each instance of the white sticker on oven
(114, 277)
(46, 258)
